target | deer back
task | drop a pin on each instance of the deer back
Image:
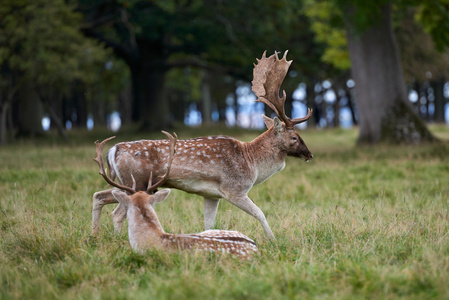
(218, 241)
(200, 166)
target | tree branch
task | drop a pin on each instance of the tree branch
(130, 55)
(182, 63)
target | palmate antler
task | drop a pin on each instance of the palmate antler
(268, 75)
(151, 187)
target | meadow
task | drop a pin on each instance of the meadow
(353, 223)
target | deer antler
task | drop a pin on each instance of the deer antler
(99, 160)
(268, 75)
(172, 151)
(151, 187)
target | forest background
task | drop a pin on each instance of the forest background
(78, 61)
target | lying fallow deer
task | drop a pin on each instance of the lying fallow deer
(145, 230)
(214, 167)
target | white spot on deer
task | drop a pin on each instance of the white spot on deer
(163, 150)
(128, 145)
(137, 153)
(198, 153)
(185, 151)
(212, 162)
(146, 153)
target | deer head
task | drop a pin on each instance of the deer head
(268, 75)
(144, 225)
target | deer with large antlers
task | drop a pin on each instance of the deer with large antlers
(214, 167)
(145, 231)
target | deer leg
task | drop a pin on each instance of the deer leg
(210, 211)
(118, 217)
(100, 199)
(247, 205)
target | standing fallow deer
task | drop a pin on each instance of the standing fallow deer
(214, 167)
(145, 231)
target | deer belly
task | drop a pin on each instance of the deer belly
(208, 189)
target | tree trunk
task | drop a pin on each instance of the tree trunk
(350, 96)
(206, 100)
(150, 106)
(440, 102)
(125, 106)
(57, 121)
(310, 103)
(30, 113)
(385, 114)
(4, 115)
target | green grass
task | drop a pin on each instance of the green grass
(355, 222)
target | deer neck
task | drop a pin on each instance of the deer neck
(266, 156)
(144, 228)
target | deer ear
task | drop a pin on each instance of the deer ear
(120, 196)
(278, 125)
(160, 196)
(268, 121)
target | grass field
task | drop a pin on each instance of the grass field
(355, 222)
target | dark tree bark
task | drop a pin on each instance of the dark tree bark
(206, 100)
(29, 118)
(79, 104)
(147, 60)
(4, 113)
(150, 106)
(56, 121)
(310, 102)
(385, 114)
(440, 102)
(350, 96)
(125, 106)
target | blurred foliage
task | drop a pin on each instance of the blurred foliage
(187, 81)
(41, 46)
(41, 41)
(421, 60)
(155, 37)
(326, 22)
(418, 50)
(434, 16)
(92, 49)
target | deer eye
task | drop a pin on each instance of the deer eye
(294, 139)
